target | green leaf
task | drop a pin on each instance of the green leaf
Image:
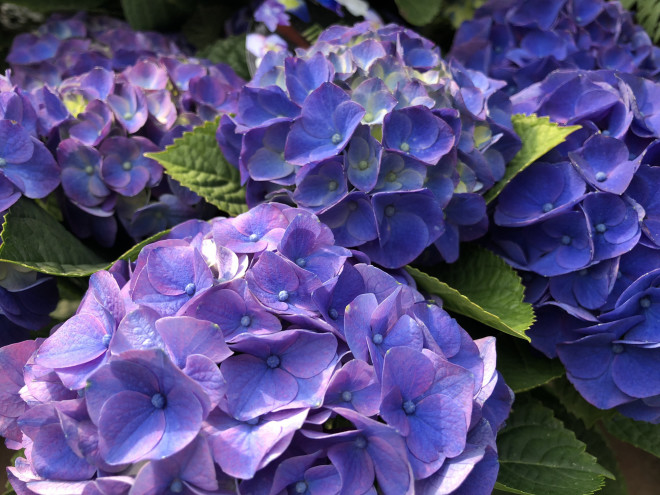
(230, 51)
(523, 367)
(645, 436)
(647, 14)
(574, 403)
(539, 456)
(156, 14)
(195, 160)
(483, 287)
(34, 239)
(538, 136)
(419, 13)
(132, 254)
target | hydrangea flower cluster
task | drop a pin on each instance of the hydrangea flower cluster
(102, 95)
(274, 13)
(583, 223)
(372, 131)
(522, 41)
(253, 354)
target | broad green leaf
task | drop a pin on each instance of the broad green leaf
(538, 136)
(156, 14)
(34, 239)
(483, 287)
(195, 160)
(539, 456)
(574, 403)
(417, 12)
(523, 367)
(230, 51)
(645, 436)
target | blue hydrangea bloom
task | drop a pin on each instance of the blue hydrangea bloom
(365, 112)
(197, 368)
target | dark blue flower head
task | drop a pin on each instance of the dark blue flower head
(366, 112)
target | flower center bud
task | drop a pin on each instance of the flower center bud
(127, 165)
(606, 132)
(391, 177)
(368, 117)
(3, 162)
(245, 321)
(377, 339)
(190, 289)
(409, 407)
(128, 116)
(645, 302)
(273, 361)
(346, 396)
(336, 138)
(176, 486)
(89, 170)
(389, 210)
(405, 147)
(617, 348)
(333, 313)
(352, 206)
(301, 487)
(547, 207)
(283, 295)
(583, 272)
(601, 176)
(363, 165)
(601, 227)
(332, 185)
(566, 240)
(301, 262)
(360, 442)
(106, 340)
(158, 400)
(253, 237)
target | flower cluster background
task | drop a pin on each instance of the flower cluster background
(327, 247)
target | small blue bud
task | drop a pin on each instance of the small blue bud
(253, 421)
(253, 237)
(176, 486)
(158, 400)
(190, 289)
(346, 396)
(617, 348)
(601, 176)
(283, 295)
(333, 313)
(390, 210)
(332, 185)
(547, 207)
(89, 170)
(245, 321)
(273, 361)
(377, 339)
(601, 227)
(301, 262)
(566, 240)
(360, 442)
(645, 302)
(301, 487)
(127, 165)
(336, 138)
(409, 407)
(106, 340)
(405, 147)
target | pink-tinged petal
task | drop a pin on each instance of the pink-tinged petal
(184, 336)
(356, 469)
(309, 354)
(208, 375)
(253, 388)
(437, 428)
(357, 324)
(413, 381)
(137, 330)
(129, 428)
(77, 341)
(183, 421)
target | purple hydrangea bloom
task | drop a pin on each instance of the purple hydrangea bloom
(223, 387)
(368, 112)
